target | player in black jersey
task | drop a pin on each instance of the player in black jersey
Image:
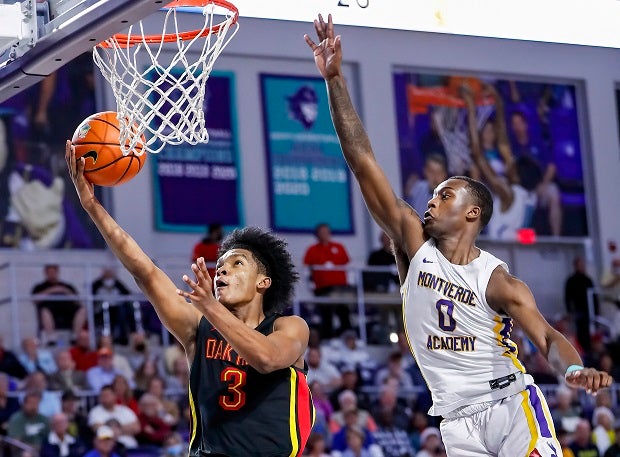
(248, 390)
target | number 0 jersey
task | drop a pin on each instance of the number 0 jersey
(237, 411)
(461, 345)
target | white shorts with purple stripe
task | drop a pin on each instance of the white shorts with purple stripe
(516, 426)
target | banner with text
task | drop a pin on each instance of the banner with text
(195, 186)
(308, 177)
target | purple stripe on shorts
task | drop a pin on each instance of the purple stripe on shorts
(540, 415)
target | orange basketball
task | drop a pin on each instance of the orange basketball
(97, 139)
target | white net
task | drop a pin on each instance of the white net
(159, 80)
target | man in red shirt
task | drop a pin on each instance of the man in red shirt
(326, 254)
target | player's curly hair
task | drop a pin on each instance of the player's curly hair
(274, 260)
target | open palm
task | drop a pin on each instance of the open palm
(328, 53)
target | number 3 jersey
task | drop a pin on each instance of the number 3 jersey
(237, 411)
(461, 345)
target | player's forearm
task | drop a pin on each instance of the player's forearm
(253, 346)
(349, 128)
(561, 354)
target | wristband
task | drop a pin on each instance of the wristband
(572, 369)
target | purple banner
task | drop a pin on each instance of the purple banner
(195, 186)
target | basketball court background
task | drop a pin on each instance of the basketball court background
(371, 57)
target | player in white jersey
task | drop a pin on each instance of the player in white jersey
(459, 301)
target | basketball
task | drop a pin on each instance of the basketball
(97, 139)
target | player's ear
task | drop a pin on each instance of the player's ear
(473, 213)
(264, 283)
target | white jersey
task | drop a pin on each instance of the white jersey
(505, 224)
(462, 346)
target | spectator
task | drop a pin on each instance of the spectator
(8, 405)
(59, 443)
(399, 415)
(350, 381)
(119, 361)
(109, 289)
(57, 314)
(9, 363)
(322, 258)
(582, 445)
(104, 443)
(603, 434)
(610, 283)
(391, 438)
(566, 411)
(172, 353)
(340, 439)
(614, 449)
(316, 446)
(179, 380)
(430, 440)
(347, 350)
(209, 246)
(381, 257)
(49, 403)
(153, 429)
(174, 446)
(145, 372)
(138, 350)
(107, 409)
(419, 423)
(320, 400)
(169, 411)
(419, 191)
(322, 370)
(66, 377)
(395, 369)
(124, 394)
(104, 372)
(347, 401)
(576, 300)
(34, 358)
(78, 422)
(28, 425)
(81, 352)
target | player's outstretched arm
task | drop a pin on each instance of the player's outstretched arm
(178, 317)
(507, 293)
(283, 348)
(394, 216)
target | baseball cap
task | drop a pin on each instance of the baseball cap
(105, 432)
(429, 431)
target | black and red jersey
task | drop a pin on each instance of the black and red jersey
(239, 412)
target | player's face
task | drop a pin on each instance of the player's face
(236, 277)
(447, 210)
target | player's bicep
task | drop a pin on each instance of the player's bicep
(515, 298)
(290, 339)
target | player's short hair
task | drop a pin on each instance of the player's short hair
(482, 197)
(274, 260)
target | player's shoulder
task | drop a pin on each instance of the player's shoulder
(292, 325)
(503, 285)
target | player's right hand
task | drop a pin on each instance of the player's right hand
(85, 189)
(328, 53)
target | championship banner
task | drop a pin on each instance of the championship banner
(195, 186)
(308, 177)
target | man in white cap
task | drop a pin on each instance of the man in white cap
(104, 443)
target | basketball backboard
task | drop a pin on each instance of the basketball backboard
(38, 37)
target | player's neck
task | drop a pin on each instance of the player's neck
(458, 250)
(251, 314)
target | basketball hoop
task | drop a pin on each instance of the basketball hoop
(160, 90)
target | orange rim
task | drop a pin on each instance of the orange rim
(124, 40)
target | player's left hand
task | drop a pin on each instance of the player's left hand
(590, 379)
(201, 294)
